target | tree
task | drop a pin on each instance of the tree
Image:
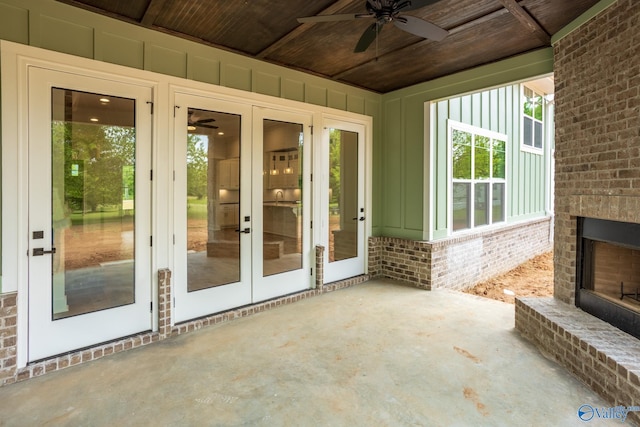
(94, 158)
(197, 165)
(334, 164)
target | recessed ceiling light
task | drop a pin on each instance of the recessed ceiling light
(105, 100)
(94, 119)
(220, 133)
(190, 127)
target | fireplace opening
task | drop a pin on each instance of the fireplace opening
(608, 275)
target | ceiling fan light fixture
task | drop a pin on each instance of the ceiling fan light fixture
(384, 12)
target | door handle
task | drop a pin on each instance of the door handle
(41, 251)
(361, 218)
(245, 231)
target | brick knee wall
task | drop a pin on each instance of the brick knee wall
(8, 337)
(459, 261)
(599, 354)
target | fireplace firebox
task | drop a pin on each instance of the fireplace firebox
(608, 272)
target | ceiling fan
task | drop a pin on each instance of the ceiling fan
(193, 122)
(384, 12)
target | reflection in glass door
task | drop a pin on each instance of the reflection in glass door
(344, 215)
(89, 204)
(281, 205)
(343, 195)
(282, 213)
(213, 199)
(93, 201)
(212, 206)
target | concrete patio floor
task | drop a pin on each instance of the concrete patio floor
(371, 355)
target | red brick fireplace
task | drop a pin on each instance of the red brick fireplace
(597, 176)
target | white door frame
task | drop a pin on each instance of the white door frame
(266, 287)
(16, 60)
(49, 337)
(189, 305)
(351, 267)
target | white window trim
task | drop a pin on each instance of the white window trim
(523, 146)
(455, 125)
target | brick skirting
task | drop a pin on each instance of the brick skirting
(462, 260)
(599, 354)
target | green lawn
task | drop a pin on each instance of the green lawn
(196, 208)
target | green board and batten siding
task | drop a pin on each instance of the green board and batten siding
(497, 110)
(402, 165)
(62, 28)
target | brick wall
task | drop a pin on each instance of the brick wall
(597, 75)
(597, 117)
(460, 261)
(8, 337)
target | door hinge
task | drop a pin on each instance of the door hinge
(174, 302)
(311, 129)
(174, 239)
(150, 240)
(174, 176)
(311, 224)
(151, 104)
(175, 107)
(151, 306)
(311, 178)
(311, 272)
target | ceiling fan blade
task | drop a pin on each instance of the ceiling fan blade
(415, 4)
(200, 125)
(368, 37)
(333, 18)
(420, 27)
(206, 120)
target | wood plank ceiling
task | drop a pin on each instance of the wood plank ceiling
(480, 32)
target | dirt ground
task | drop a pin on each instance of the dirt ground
(534, 278)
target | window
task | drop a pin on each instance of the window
(532, 119)
(478, 176)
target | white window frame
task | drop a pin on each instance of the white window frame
(475, 131)
(525, 147)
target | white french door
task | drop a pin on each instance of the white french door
(89, 209)
(241, 205)
(281, 203)
(343, 201)
(212, 206)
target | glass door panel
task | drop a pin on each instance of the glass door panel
(281, 243)
(213, 199)
(93, 141)
(282, 212)
(343, 195)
